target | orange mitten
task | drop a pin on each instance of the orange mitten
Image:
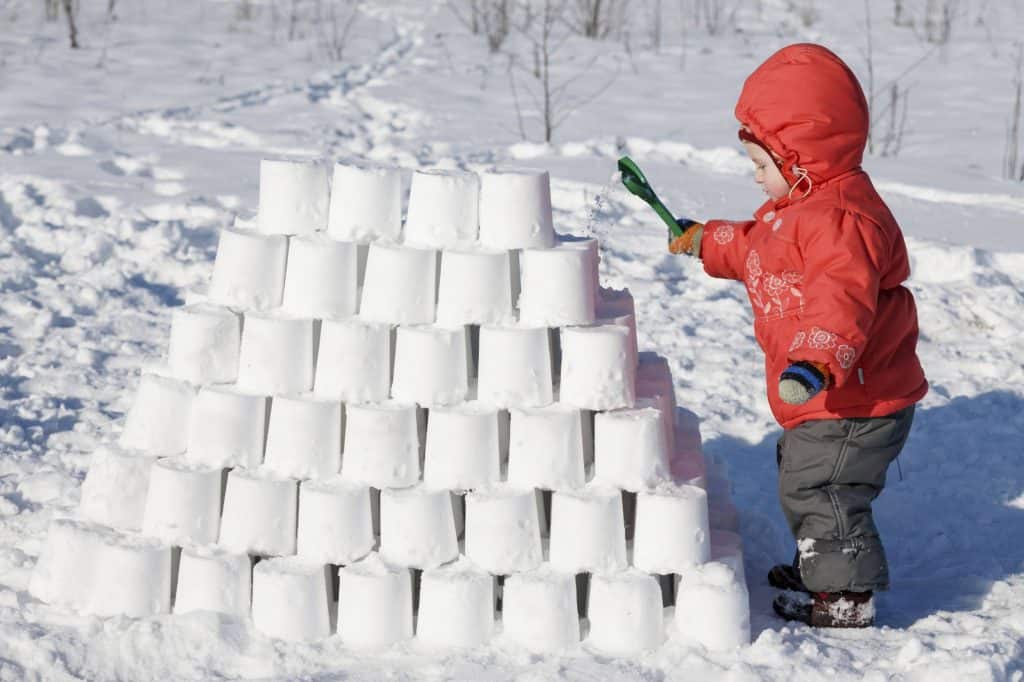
(688, 242)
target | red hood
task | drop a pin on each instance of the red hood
(807, 106)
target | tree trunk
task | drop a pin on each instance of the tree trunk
(69, 11)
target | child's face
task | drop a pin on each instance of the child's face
(766, 172)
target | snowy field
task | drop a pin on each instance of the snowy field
(120, 161)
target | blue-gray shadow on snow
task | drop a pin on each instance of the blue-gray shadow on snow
(165, 293)
(951, 527)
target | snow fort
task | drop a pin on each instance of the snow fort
(439, 430)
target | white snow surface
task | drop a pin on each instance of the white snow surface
(121, 161)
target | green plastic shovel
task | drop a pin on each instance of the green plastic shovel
(634, 180)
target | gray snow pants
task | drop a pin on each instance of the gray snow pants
(830, 470)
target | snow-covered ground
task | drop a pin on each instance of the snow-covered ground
(120, 161)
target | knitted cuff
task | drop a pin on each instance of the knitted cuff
(801, 381)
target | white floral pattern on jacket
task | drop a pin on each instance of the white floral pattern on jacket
(773, 294)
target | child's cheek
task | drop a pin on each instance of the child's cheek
(777, 188)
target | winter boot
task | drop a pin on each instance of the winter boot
(828, 609)
(786, 577)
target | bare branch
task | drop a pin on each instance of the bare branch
(69, 12)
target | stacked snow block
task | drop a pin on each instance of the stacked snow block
(381, 430)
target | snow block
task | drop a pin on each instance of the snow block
(320, 280)
(366, 203)
(503, 529)
(259, 513)
(115, 488)
(183, 504)
(596, 370)
(546, 447)
(158, 422)
(131, 576)
(687, 463)
(400, 285)
(294, 196)
(713, 608)
(204, 344)
(625, 613)
(382, 447)
(616, 307)
(727, 548)
(277, 354)
(463, 450)
(66, 567)
(248, 271)
(559, 285)
(515, 367)
(304, 436)
(228, 427)
(210, 579)
(631, 448)
(588, 531)
(375, 604)
(290, 599)
(443, 208)
(723, 515)
(456, 606)
(654, 378)
(417, 527)
(515, 209)
(539, 610)
(335, 521)
(475, 287)
(431, 365)
(615, 303)
(354, 361)
(672, 531)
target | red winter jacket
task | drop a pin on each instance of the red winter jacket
(824, 270)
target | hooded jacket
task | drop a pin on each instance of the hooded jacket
(824, 267)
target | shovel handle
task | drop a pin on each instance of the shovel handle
(635, 181)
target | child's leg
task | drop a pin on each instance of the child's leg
(829, 473)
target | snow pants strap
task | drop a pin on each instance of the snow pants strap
(830, 471)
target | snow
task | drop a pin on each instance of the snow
(115, 184)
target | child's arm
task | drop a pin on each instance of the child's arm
(844, 260)
(723, 248)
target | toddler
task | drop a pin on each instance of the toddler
(823, 262)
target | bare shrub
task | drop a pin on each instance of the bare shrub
(715, 16)
(805, 10)
(468, 17)
(69, 13)
(553, 82)
(335, 22)
(597, 18)
(894, 118)
(495, 19)
(938, 20)
(491, 18)
(244, 10)
(1013, 169)
(888, 122)
(655, 18)
(900, 17)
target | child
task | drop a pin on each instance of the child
(823, 262)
